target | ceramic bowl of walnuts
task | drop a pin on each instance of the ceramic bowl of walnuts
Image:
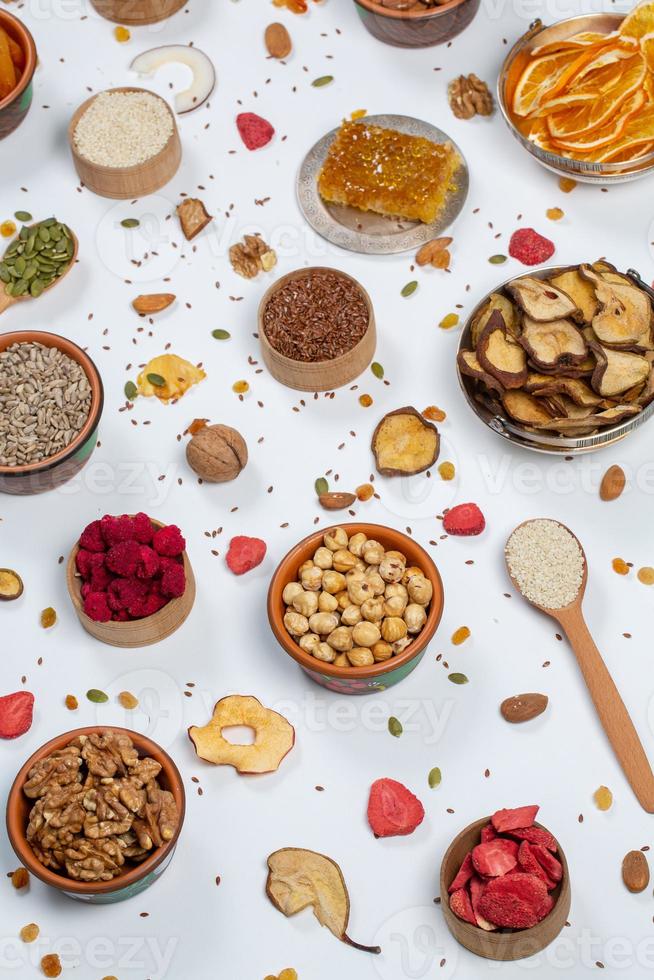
(356, 606)
(96, 813)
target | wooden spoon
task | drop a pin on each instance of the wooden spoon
(609, 705)
(7, 301)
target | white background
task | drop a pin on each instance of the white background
(232, 931)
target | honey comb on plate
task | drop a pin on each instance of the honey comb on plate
(382, 170)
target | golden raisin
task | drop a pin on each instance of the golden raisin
(365, 401)
(646, 575)
(442, 260)
(567, 184)
(51, 965)
(447, 470)
(554, 214)
(451, 320)
(7, 229)
(460, 636)
(71, 702)
(122, 34)
(620, 566)
(358, 114)
(48, 618)
(365, 491)
(30, 932)
(288, 974)
(128, 701)
(240, 387)
(20, 878)
(196, 425)
(434, 414)
(603, 798)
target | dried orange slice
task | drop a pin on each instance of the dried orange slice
(574, 43)
(609, 81)
(546, 76)
(647, 50)
(607, 134)
(639, 22)
(591, 114)
(637, 133)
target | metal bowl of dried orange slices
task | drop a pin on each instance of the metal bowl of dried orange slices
(561, 360)
(579, 95)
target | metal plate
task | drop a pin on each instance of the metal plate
(540, 442)
(364, 231)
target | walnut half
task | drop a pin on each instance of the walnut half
(469, 96)
(252, 256)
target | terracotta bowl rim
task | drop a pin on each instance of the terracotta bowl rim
(28, 45)
(335, 362)
(127, 627)
(135, 168)
(374, 7)
(281, 578)
(74, 351)
(27, 857)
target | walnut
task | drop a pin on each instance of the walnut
(90, 861)
(469, 96)
(252, 256)
(217, 453)
(107, 754)
(58, 769)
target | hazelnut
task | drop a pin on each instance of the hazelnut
(340, 660)
(393, 629)
(327, 603)
(217, 453)
(373, 610)
(391, 568)
(332, 582)
(356, 544)
(420, 589)
(290, 592)
(323, 558)
(382, 651)
(341, 639)
(306, 603)
(415, 617)
(366, 634)
(322, 651)
(335, 539)
(372, 552)
(296, 624)
(311, 579)
(309, 642)
(323, 623)
(360, 657)
(344, 560)
(395, 606)
(351, 616)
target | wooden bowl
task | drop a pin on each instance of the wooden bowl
(137, 632)
(137, 13)
(317, 375)
(356, 680)
(504, 944)
(125, 183)
(134, 881)
(15, 106)
(58, 469)
(417, 28)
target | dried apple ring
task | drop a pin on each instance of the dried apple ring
(274, 736)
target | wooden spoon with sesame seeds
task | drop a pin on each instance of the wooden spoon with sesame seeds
(6, 301)
(547, 565)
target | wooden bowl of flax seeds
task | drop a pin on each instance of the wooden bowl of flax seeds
(316, 329)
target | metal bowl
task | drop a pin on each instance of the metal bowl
(544, 442)
(588, 172)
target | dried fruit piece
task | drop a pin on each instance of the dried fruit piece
(523, 707)
(193, 217)
(464, 520)
(554, 214)
(11, 585)
(336, 501)
(20, 878)
(496, 857)
(278, 41)
(298, 879)
(177, 375)
(646, 575)
(462, 907)
(477, 887)
(365, 491)
(517, 901)
(500, 355)
(48, 618)
(567, 184)
(122, 34)
(514, 819)
(449, 321)
(541, 300)
(613, 483)
(617, 371)
(528, 862)
(603, 798)
(29, 932)
(274, 736)
(428, 253)
(635, 871)
(255, 131)
(71, 702)
(579, 290)
(469, 364)
(7, 229)
(128, 701)
(393, 811)
(624, 317)
(620, 566)
(404, 443)
(460, 635)
(16, 713)
(51, 965)
(447, 470)
(153, 302)
(365, 401)
(552, 868)
(434, 414)
(530, 248)
(553, 345)
(240, 387)
(244, 554)
(525, 408)
(463, 875)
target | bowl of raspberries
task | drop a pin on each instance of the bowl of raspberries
(505, 890)
(130, 580)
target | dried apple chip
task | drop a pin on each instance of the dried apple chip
(553, 345)
(405, 443)
(524, 408)
(300, 879)
(542, 301)
(500, 355)
(617, 371)
(168, 376)
(274, 736)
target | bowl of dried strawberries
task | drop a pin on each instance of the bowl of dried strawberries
(18, 61)
(85, 777)
(504, 884)
(130, 580)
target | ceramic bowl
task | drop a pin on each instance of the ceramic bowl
(504, 944)
(134, 881)
(58, 469)
(356, 680)
(417, 28)
(15, 106)
(136, 632)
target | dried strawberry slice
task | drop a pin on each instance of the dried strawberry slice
(552, 868)
(507, 820)
(462, 907)
(477, 887)
(496, 857)
(517, 901)
(528, 863)
(536, 835)
(488, 833)
(463, 875)
(393, 810)
(16, 711)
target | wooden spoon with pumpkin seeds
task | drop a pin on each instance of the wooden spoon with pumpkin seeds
(36, 260)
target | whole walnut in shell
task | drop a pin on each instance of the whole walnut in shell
(217, 453)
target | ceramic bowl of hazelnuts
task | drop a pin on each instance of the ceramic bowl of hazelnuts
(356, 606)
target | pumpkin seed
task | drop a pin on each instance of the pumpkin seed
(410, 288)
(44, 234)
(434, 778)
(130, 222)
(395, 727)
(377, 370)
(131, 391)
(22, 216)
(457, 678)
(156, 380)
(497, 259)
(36, 288)
(221, 334)
(323, 80)
(322, 486)
(97, 697)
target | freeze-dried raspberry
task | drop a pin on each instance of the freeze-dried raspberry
(462, 907)
(123, 591)
(83, 562)
(530, 248)
(244, 554)
(16, 712)
(143, 529)
(117, 529)
(507, 820)
(168, 541)
(255, 131)
(497, 857)
(122, 616)
(148, 564)
(463, 875)
(97, 608)
(123, 558)
(147, 606)
(85, 589)
(517, 901)
(91, 537)
(173, 581)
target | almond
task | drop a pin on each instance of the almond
(153, 302)
(278, 41)
(635, 871)
(336, 501)
(613, 483)
(523, 707)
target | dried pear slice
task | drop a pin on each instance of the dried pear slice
(525, 408)
(617, 370)
(575, 389)
(405, 443)
(552, 345)
(624, 320)
(500, 355)
(610, 417)
(570, 410)
(468, 364)
(647, 394)
(580, 291)
(509, 314)
(542, 301)
(603, 266)
(535, 380)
